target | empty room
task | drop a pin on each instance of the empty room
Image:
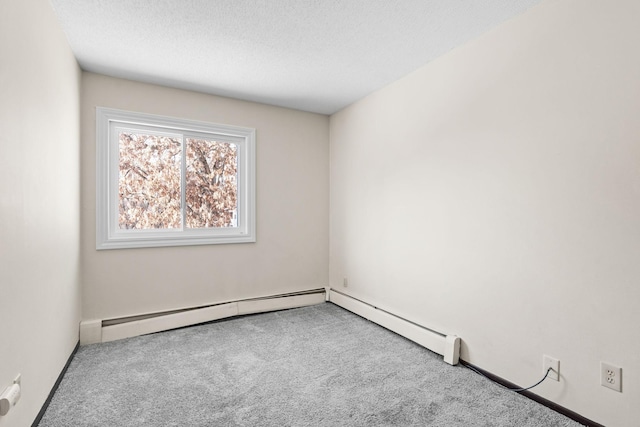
(319, 213)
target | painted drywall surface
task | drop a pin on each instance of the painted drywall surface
(39, 203)
(291, 252)
(495, 194)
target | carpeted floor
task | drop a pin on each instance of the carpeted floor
(312, 366)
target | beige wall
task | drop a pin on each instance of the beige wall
(291, 252)
(39, 202)
(495, 194)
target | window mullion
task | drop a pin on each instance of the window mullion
(183, 183)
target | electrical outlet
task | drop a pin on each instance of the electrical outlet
(345, 282)
(611, 376)
(554, 364)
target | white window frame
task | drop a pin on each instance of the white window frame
(110, 236)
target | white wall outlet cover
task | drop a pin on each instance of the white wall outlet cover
(611, 376)
(554, 364)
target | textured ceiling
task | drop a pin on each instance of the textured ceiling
(312, 55)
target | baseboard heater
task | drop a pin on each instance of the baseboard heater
(442, 344)
(105, 330)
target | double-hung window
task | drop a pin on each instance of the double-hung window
(163, 181)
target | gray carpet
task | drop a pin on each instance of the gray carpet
(312, 366)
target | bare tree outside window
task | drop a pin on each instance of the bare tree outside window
(212, 186)
(149, 182)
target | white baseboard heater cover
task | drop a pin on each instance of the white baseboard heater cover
(445, 345)
(96, 331)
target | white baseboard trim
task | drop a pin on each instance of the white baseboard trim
(442, 344)
(93, 331)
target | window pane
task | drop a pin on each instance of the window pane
(212, 184)
(149, 181)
